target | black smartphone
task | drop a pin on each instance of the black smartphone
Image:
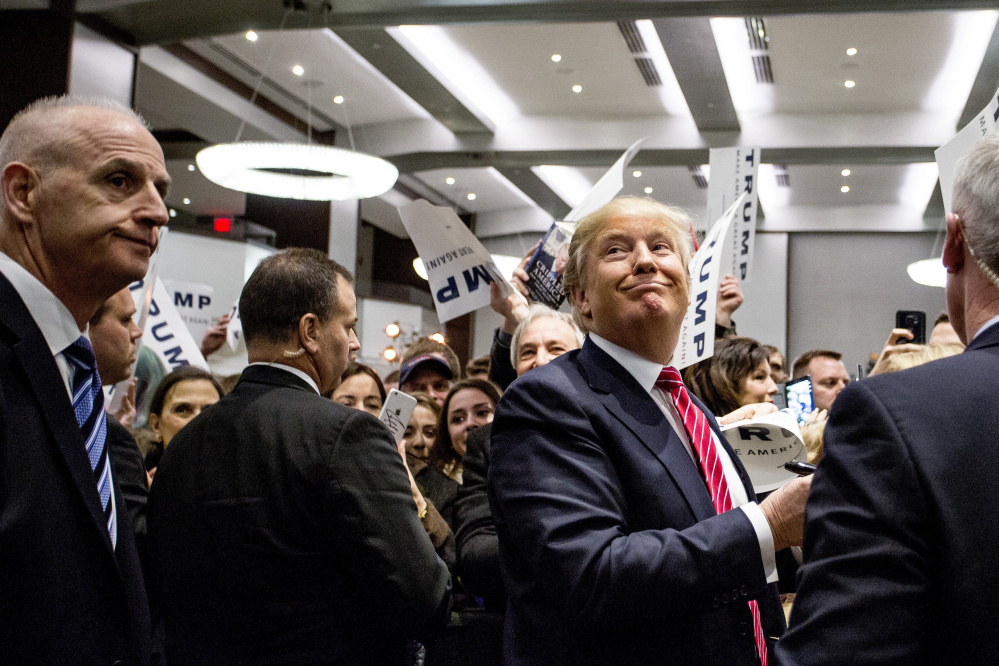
(800, 468)
(800, 401)
(915, 321)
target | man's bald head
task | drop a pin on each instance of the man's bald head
(37, 134)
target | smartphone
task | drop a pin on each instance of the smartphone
(800, 401)
(915, 321)
(396, 412)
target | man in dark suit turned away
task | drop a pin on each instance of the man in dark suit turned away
(282, 525)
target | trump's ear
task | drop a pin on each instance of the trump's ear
(578, 297)
(19, 185)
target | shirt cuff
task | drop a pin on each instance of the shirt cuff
(765, 537)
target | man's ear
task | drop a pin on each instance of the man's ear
(308, 333)
(578, 297)
(953, 249)
(19, 183)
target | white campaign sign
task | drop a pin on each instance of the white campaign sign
(948, 154)
(606, 188)
(165, 332)
(734, 171)
(458, 267)
(764, 445)
(193, 301)
(697, 333)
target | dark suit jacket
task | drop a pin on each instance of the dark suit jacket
(65, 596)
(902, 524)
(282, 529)
(130, 477)
(611, 549)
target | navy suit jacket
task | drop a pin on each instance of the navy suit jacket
(611, 549)
(902, 523)
(65, 596)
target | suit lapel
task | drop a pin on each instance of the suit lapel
(46, 382)
(630, 404)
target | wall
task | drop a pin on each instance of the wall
(844, 289)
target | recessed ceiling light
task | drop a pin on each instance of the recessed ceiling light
(556, 57)
(449, 180)
(251, 36)
(173, 213)
(577, 88)
(844, 189)
(471, 196)
(648, 190)
(186, 200)
(849, 84)
(298, 70)
(845, 172)
(636, 174)
(851, 51)
(338, 99)
(191, 167)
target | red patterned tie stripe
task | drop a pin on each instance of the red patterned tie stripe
(696, 425)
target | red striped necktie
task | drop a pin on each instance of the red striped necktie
(696, 425)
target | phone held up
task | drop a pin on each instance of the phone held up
(915, 321)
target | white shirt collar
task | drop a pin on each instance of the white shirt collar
(50, 314)
(644, 371)
(295, 371)
(989, 323)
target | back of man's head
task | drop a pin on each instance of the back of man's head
(800, 368)
(284, 288)
(976, 201)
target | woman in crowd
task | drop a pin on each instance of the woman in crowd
(737, 375)
(361, 388)
(419, 438)
(469, 404)
(180, 396)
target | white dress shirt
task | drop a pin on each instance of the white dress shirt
(988, 324)
(646, 373)
(295, 371)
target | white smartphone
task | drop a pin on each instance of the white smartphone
(396, 412)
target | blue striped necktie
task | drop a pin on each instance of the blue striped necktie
(88, 403)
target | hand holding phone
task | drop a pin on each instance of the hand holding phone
(800, 400)
(396, 412)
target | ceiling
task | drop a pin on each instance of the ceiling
(469, 90)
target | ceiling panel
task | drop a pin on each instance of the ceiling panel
(593, 55)
(331, 69)
(206, 198)
(492, 191)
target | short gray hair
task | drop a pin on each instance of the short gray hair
(676, 220)
(19, 141)
(537, 311)
(976, 198)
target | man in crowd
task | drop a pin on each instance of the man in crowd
(903, 519)
(429, 367)
(943, 333)
(828, 374)
(614, 548)
(83, 183)
(113, 335)
(282, 525)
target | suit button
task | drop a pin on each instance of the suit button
(743, 590)
(118, 662)
(743, 628)
(715, 602)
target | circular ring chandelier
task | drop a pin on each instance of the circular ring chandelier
(297, 170)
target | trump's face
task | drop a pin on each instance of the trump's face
(634, 286)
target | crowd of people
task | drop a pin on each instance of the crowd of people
(567, 499)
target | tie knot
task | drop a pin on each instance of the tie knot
(669, 379)
(81, 354)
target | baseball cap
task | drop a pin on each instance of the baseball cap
(435, 363)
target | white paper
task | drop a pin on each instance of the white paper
(734, 171)
(948, 154)
(697, 333)
(235, 330)
(193, 301)
(764, 445)
(607, 187)
(459, 269)
(166, 334)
